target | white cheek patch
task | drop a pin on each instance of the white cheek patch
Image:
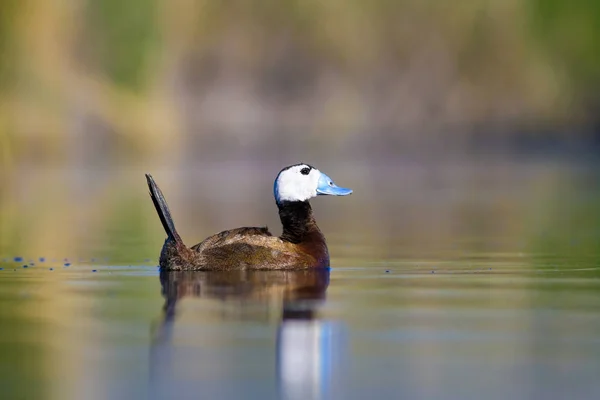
(293, 186)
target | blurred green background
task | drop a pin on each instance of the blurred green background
(123, 81)
(214, 97)
(469, 131)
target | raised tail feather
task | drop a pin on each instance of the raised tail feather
(162, 209)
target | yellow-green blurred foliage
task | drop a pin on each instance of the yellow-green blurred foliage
(119, 80)
(88, 85)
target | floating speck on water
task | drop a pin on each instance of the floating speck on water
(147, 260)
(67, 264)
(42, 259)
(25, 266)
(32, 264)
(1, 269)
(18, 259)
(490, 269)
(94, 270)
(66, 259)
(433, 272)
(387, 271)
(93, 260)
(51, 269)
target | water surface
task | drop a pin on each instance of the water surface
(457, 283)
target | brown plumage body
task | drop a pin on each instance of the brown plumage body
(300, 246)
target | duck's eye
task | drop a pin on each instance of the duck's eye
(330, 183)
(305, 171)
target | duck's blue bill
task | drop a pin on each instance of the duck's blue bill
(327, 186)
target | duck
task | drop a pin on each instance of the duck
(301, 244)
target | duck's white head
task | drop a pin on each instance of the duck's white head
(301, 182)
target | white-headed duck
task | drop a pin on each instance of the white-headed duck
(300, 246)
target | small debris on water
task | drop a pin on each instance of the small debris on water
(51, 269)
(433, 272)
(67, 264)
(387, 271)
(94, 270)
(18, 259)
(42, 259)
(25, 266)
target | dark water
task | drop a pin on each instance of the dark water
(472, 285)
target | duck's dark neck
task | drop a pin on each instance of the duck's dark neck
(298, 222)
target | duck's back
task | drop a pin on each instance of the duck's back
(232, 236)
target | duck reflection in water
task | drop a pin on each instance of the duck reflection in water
(307, 348)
